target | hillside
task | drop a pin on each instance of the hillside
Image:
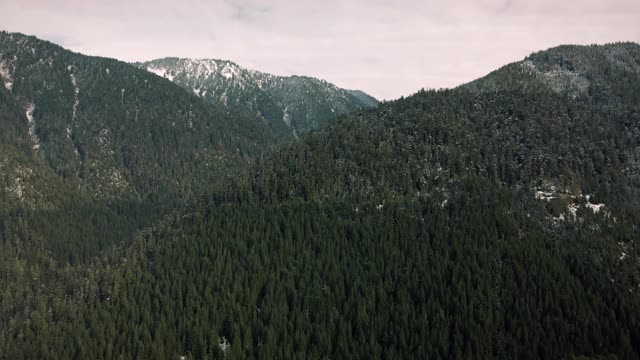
(512, 132)
(289, 105)
(495, 220)
(109, 129)
(604, 74)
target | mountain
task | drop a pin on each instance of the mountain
(366, 99)
(495, 220)
(109, 129)
(103, 147)
(484, 221)
(289, 105)
(511, 126)
(601, 73)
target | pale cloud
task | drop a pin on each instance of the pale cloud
(388, 48)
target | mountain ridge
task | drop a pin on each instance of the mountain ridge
(602, 73)
(290, 105)
(496, 220)
(69, 100)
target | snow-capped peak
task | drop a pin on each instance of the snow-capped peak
(160, 71)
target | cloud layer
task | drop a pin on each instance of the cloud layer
(388, 48)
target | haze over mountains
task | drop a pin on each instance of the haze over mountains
(225, 213)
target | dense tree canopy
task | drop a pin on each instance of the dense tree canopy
(495, 220)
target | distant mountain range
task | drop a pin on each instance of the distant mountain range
(289, 105)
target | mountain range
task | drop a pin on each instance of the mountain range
(196, 209)
(110, 130)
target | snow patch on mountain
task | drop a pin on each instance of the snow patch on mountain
(76, 102)
(595, 207)
(103, 139)
(6, 76)
(18, 187)
(32, 126)
(116, 179)
(544, 195)
(76, 94)
(286, 117)
(160, 71)
(305, 102)
(224, 345)
(229, 71)
(559, 80)
(196, 69)
(573, 202)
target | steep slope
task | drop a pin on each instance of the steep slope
(366, 99)
(92, 150)
(488, 221)
(112, 130)
(511, 127)
(605, 74)
(529, 194)
(288, 105)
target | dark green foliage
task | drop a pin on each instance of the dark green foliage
(114, 130)
(419, 144)
(310, 280)
(409, 231)
(605, 75)
(84, 230)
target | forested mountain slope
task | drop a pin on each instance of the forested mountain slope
(108, 128)
(602, 74)
(288, 105)
(91, 151)
(97, 134)
(495, 220)
(412, 279)
(513, 135)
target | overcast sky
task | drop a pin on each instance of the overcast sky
(388, 48)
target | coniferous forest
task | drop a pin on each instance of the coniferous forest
(498, 219)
